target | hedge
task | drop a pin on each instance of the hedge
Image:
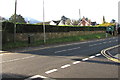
(32, 28)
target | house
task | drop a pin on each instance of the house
(93, 23)
(58, 22)
(64, 21)
(2, 19)
(85, 22)
(54, 22)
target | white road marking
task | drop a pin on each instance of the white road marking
(51, 71)
(76, 62)
(104, 42)
(65, 66)
(1, 54)
(85, 59)
(36, 76)
(68, 65)
(67, 50)
(2, 51)
(95, 44)
(17, 59)
(97, 54)
(100, 43)
(60, 51)
(27, 57)
(91, 56)
(91, 45)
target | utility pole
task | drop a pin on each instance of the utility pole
(15, 21)
(79, 15)
(44, 24)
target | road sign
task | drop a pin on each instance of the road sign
(110, 28)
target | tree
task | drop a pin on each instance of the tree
(104, 20)
(2, 19)
(75, 22)
(68, 22)
(19, 19)
(106, 24)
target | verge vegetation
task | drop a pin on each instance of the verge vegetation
(86, 37)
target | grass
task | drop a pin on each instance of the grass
(77, 38)
(55, 40)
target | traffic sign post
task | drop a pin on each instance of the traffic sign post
(110, 30)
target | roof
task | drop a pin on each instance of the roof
(57, 22)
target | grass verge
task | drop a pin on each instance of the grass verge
(55, 40)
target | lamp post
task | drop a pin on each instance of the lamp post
(15, 21)
(44, 23)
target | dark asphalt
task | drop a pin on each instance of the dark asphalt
(41, 62)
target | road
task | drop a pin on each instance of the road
(73, 60)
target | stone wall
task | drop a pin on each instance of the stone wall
(40, 36)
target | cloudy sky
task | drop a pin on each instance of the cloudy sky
(54, 9)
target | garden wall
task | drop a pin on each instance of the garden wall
(39, 36)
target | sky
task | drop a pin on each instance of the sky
(54, 9)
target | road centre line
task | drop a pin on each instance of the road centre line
(91, 45)
(95, 44)
(65, 66)
(76, 62)
(68, 65)
(51, 71)
(100, 43)
(91, 56)
(85, 59)
(97, 54)
(104, 42)
(67, 50)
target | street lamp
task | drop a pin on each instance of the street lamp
(44, 23)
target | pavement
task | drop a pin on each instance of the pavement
(67, 61)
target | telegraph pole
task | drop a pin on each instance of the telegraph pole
(44, 24)
(79, 15)
(15, 21)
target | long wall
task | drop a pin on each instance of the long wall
(39, 36)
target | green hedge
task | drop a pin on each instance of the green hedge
(32, 28)
(8, 26)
